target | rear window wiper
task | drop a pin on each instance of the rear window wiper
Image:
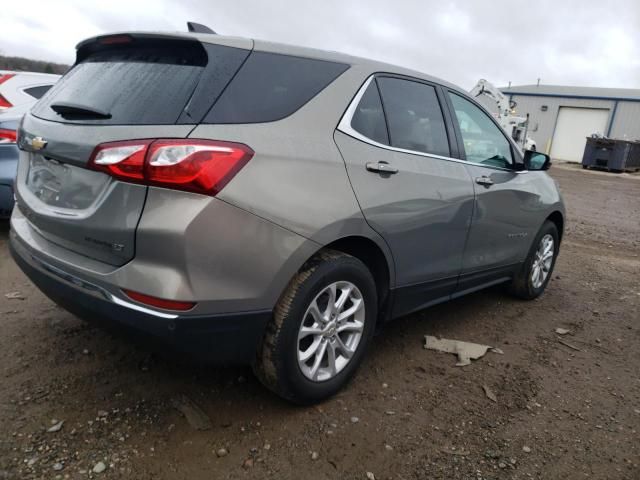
(68, 109)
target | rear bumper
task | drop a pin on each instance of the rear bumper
(224, 338)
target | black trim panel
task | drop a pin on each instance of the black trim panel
(415, 297)
(412, 298)
(473, 281)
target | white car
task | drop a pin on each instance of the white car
(18, 92)
(18, 88)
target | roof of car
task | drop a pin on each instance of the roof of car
(375, 65)
(287, 49)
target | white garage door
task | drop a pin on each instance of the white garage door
(573, 127)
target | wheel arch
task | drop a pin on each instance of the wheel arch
(557, 218)
(375, 258)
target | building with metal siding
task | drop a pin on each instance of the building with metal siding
(627, 121)
(561, 117)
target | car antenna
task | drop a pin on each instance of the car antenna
(199, 28)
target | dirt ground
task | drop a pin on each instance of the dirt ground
(567, 410)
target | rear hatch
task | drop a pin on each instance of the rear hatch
(122, 87)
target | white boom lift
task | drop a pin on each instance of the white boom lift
(512, 124)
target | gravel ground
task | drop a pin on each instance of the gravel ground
(563, 410)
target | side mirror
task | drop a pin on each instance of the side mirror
(534, 160)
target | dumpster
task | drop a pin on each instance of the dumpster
(611, 154)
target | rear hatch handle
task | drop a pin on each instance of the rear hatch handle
(68, 109)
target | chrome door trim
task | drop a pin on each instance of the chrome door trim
(345, 127)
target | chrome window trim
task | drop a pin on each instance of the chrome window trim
(345, 127)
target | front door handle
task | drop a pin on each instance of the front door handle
(484, 180)
(381, 167)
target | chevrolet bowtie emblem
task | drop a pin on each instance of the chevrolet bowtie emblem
(38, 143)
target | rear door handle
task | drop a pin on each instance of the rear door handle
(484, 180)
(381, 167)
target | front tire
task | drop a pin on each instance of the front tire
(535, 273)
(321, 327)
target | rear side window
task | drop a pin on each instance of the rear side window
(414, 116)
(37, 92)
(145, 83)
(271, 86)
(368, 118)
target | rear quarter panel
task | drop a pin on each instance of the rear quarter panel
(297, 177)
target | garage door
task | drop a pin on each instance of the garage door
(573, 127)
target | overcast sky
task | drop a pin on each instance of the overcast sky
(591, 43)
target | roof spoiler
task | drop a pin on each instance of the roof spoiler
(199, 28)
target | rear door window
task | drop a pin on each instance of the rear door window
(368, 118)
(139, 84)
(272, 86)
(414, 116)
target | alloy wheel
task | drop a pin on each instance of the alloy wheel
(331, 331)
(542, 261)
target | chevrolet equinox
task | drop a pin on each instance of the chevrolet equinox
(270, 205)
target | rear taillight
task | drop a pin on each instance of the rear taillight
(8, 136)
(122, 160)
(6, 76)
(4, 103)
(200, 166)
(203, 166)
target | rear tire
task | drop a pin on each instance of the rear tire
(304, 322)
(536, 271)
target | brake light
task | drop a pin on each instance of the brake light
(204, 167)
(115, 39)
(4, 103)
(8, 136)
(200, 166)
(6, 76)
(159, 302)
(122, 160)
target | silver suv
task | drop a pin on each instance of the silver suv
(270, 205)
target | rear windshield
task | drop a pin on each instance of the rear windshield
(272, 86)
(140, 84)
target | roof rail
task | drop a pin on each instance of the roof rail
(199, 28)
